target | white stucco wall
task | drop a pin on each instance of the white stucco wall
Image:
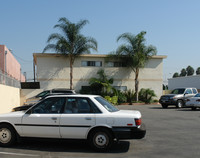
(53, 72)
(10, 98)
(188, 81)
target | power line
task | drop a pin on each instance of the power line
(21, 58)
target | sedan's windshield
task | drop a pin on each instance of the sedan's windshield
(108, 106)
(178, 91)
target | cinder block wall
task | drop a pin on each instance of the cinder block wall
(10, 98)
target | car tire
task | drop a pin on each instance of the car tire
(7, 135)
(101, 140)
(179, 104)
(164, 106)
(193, 108)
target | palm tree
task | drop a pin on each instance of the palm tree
(71, 42)
(134, 53)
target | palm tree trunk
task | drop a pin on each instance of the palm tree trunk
(136, 84)
(71, 73)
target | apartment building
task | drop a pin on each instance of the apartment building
(52, 71)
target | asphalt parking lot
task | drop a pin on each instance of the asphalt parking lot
(171, 133)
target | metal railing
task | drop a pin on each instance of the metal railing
(5, 79)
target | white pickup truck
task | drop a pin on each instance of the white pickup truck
(86, 117)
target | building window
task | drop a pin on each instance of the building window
(116, 64)
(91, 63)
(121, 88)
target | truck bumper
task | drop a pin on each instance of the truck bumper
(129, 132)
(168, 102)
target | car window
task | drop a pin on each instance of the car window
(42, 94)
(108, 106)
(78, 105)
(188, 91)
(194, 91)
(49, 106)
(178, 91)
(197, 95)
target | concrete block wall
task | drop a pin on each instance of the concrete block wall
(10, 98)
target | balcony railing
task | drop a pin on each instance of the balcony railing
(5, 79)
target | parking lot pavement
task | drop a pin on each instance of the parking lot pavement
(171, 133)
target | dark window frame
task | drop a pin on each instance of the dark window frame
(91, 63)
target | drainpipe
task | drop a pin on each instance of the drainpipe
(5, 66)
(34, 69)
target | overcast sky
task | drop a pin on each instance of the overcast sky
(173, 26)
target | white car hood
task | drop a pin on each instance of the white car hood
(12, 114)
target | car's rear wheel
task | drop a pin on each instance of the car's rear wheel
(165, 106)
(7, 135)
(101, 140)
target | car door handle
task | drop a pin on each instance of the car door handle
(88, 118)
(54, 118)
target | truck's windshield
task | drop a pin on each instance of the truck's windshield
(178, 91)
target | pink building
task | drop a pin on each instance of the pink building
(9, 65)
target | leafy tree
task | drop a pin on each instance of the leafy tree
(70, 42)
(190, 71)
(183, 72)
(198, 71)
(165, 87)
(175, 75)
(134, 53)
(103, 83)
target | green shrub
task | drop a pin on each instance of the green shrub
(130, 95)
(121, 97)
(146, 95)
(115, 100)
(108, 98)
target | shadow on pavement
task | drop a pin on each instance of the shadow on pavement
(188, 109)
(67, 146)
(156, 107)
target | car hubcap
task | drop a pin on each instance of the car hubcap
(179, 104)
(5, 135)
(101, 140)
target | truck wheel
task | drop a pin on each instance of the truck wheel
(101, 140)
(179, 104)
(7, 135)
(165, 106)
(194, 108)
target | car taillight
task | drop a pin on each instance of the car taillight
(198, 100)
(138, 122)
(188, 100)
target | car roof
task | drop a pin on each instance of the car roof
(63, 89)
(73, 95)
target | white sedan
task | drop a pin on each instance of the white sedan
(86, 117)
(193, 102)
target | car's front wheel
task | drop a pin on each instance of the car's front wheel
(7, 135)
(179, 104)
(101, 140)
(165, 106)
(194, 108)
